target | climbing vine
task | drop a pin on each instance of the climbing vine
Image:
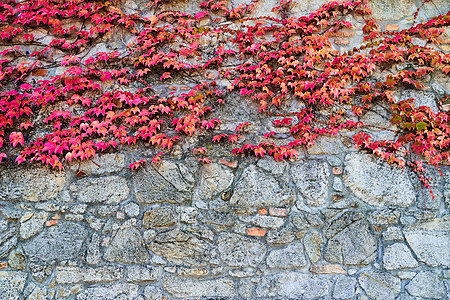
(66, 97)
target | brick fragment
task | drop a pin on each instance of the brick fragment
(51, 223)
(230, 164)
(337, 171)
(327, 269)
(392, 27)
(3, 265)
(39, 72)
(342, 41)
(348, 34)
(279, 212)
(256, 231)
(446, 107)
(173, 88)
(262, 211)
(185, 88)
(444, 41)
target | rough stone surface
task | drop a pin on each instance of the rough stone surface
(312, 180)
(127, 246)
(257, 189)
(108, 190)
(238, 251)
(398, 256)
(430, 241)
(142, 273)
(215, 178)
(344, 287)
(290, 257)
(17, 260)
(182, 287)
(379, 285)
(116, 291)
(11, 284)
(376, 183)
(159, 217)
(427, 285)
(313, 246)
(33, 225)
(68, 275)
(350, 241)
(392, 9)
(103, 164)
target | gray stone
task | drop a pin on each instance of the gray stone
(377, 183)
(33, 225)
(313, 245)
(211, 217)
(239, 251)
(392, 9)
(427, 285)
(38, 293)
(127, 246)
(350, 241)
(325, 145)
(56, 243)
(201, 232)
(246, 288)
(8, 240)
(263, 221)
(242, 273)
(152, 293)
(181, 248)
(398, 256)
(107, 190)
(258, 189)
(293, 285)
(189, 215)
(287, 258)
(122, 291)
(68, 275)
(11, 284)
(312, 179)
(421, 99)
(102, 164)
(171, 172)
(39, 272)
(270, 165)
(142, 273)
(151, 187)
(131, 209)
(214, 179)
(430, 241)
(281, 236)
(10, 212)
(93, 254)
(30, 185)
(393, 233)
(379, 285)
(17, 260)
(338, 185)
(181, 287)
(159, 217)
(344, 287)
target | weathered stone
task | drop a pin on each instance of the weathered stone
(159, 217)
(313, 245)
(189, 215)
(384, 216)
(108, 190)
(33, 225)
(214, 179)
(344, 287)
(293, 285)
(281, 236)
(263, 221)
(93, 255)
(17, 260)
(131, 209)
(421, 99)
(379, 285)
(38, 293)
(127, 246)
(312, 179)
(40, 272)
(377, 183)
(192, 272)
(151, 187)
(258, 189)
(122, 291)
(270, 165)
(287, 258)
(30, 185)
(246, 288)
(242, 273)
(393, 234)
(338, 185)
(350, 240)
(181, 287)
(181, 248)
(327, 269)
(152, 293)
(56, 243)
(239, 251)
(427, 285)
(8, 240)
(211, 217)
(326, 145)
(201, 232)
(67, 275)
(11, 284)
(172, 173)
(430, 241)
(398, 256)
(392, 9)
(142, 273)
(102, 164)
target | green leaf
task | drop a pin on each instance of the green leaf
(421, 126)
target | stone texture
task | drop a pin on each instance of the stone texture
(33, 225)
(142, 273)
(344, 287)
(427, 285)
(312, 180)
(69, 275)
(127, 246)
(293, 285)
(159, 217)
(350, 240)
(290, 257)
(181, 248)
(398, 256)
(108, 190)
(430, 241)
(421, 99)
(8, 239)
(56, 243)
(392, 9)
(313, 245)
(17, 261)
(281, 236)
(102, 164)
(239, 251)
(93, 254)
(377, 183)
(264, 221)
(173, 173)
(181, 287)
(11, 284)
(122, 291)
(258, 189)
(379, 285)
(214, 179)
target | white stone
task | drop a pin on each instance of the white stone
(398, 256)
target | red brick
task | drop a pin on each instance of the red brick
(337, 171)
(230, 164)
(262, 211)
(256, 231)
(51, 223)
(444, 41)
(391, 27)
(185, 88)
(279, 212)
(446, 107)
(174, 88)
(39, 72)
(342, 41)
(3, 264)
(347, 34)
(327, 269)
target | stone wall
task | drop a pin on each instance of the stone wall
(334, 224)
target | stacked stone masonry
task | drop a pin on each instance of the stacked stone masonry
(334, 224)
